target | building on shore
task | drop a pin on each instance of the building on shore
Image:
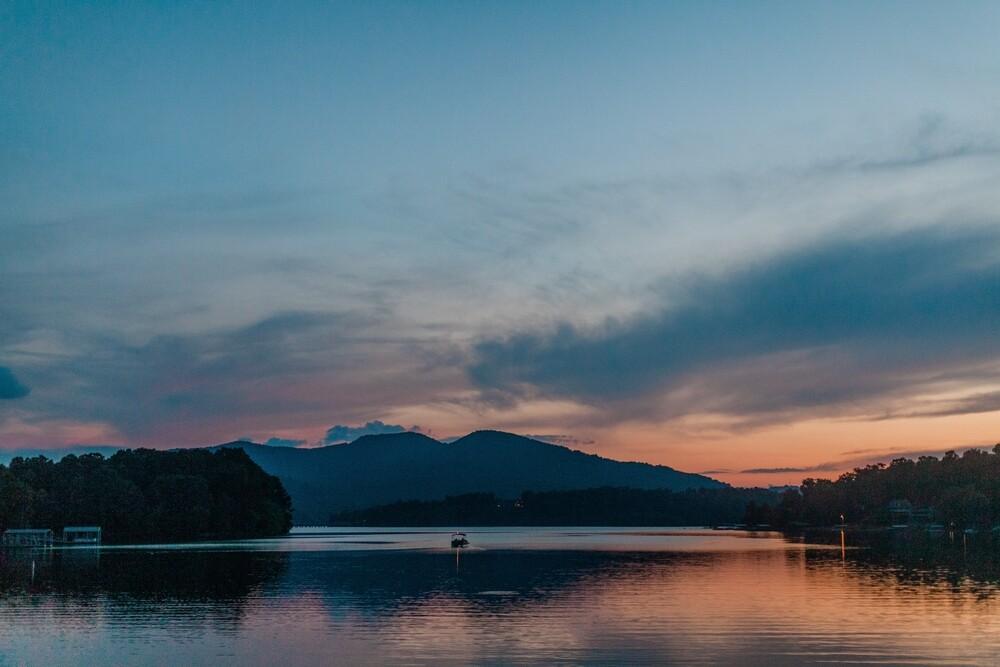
(902, 513)
(27, 537)
(81, 535)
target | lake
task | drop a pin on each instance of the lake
(516, 595)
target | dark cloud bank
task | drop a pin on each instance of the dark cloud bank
(829, 325)
(195, 378)
(343, 433)
(283, 369)
(10, 386)
(283, 442)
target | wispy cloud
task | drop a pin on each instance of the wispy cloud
(292, 369)
(850, 462)
(562, 439)
(822, 467)
(972, 404)
(935, 140)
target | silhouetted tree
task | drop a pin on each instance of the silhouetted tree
(961, 489)
(607, 506)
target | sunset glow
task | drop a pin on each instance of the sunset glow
(745, 247)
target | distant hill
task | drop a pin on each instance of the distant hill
(606, 506)
(380, 469)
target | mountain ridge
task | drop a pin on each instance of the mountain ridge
(385, 468)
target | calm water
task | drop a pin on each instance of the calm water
(525, 596)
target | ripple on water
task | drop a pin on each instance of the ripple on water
(569, 602)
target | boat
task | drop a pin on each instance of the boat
(459, 541)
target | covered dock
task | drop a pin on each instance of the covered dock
(81, 535)
(27, 537)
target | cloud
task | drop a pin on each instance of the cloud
(973, 404)
(284, 442)
(843, 321)
(934, 140)
(561, 439)
(291, 369)
(10, 386)
(850, 462)
(343, 433)
(823, 467)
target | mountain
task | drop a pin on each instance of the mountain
(380, 469)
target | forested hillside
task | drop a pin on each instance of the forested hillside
(961, 489)
(608, 506)
(144, 495)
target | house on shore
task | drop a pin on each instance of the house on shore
(902, 513)
(27, 537)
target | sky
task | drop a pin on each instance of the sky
(756, 239)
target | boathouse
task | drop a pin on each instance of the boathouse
(81, 535)
(903, 513)
(900, 512)
(27, 537)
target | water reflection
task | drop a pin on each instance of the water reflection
(765, 601)
(97, 594)
(140, 574)
(919, 558)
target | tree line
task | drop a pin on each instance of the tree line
(145, 495)
(963, 490)
(607, 506)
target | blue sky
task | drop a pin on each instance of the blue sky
(226, 219)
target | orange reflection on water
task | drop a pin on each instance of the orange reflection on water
(769, 607)
(675, 596)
